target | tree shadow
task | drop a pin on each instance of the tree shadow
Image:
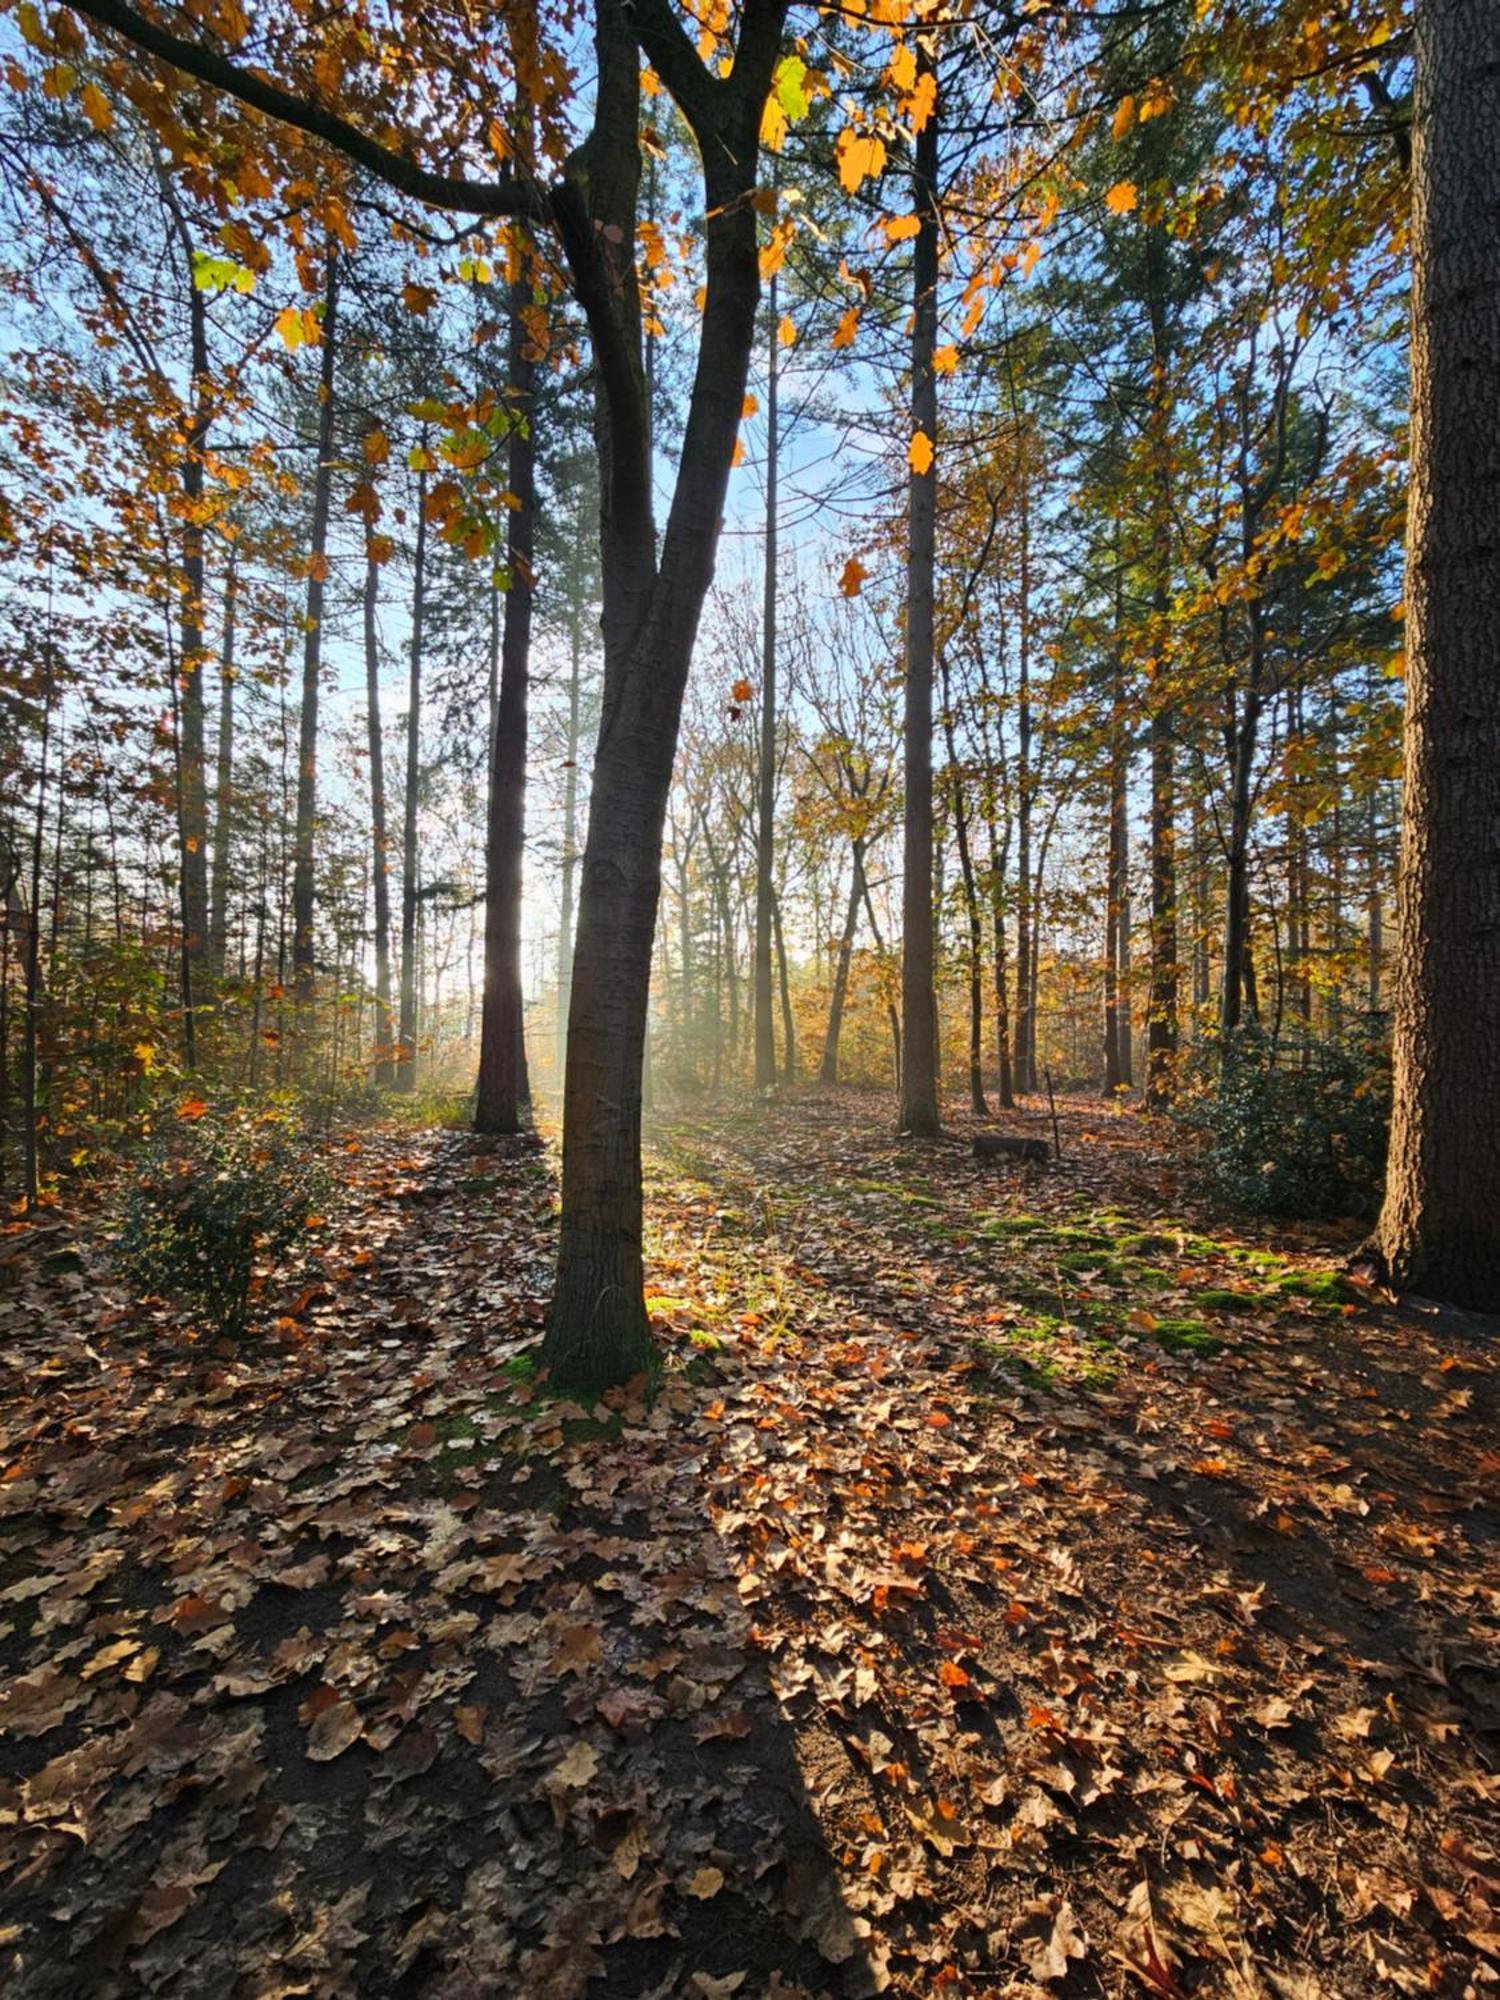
(352, 1663)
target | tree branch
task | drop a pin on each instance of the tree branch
(499, 197)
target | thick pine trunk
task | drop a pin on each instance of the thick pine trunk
(503, 1091)
(1439, 1230)
(919, 1095)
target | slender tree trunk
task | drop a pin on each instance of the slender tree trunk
(218, 916)
(919, 1091)
(406, 1039)
(1161, 1024)
(31, 1033)
(570, 818)
(788, 1023)
(828, 1068)
(1117, 891)
(1439, 1230)
(304, 960)
(385, 1027)
(765, 849)
(503, 1084)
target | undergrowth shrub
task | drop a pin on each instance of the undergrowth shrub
(213, 1201)
(1292, 1131)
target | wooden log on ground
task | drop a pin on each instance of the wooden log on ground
(1008, 1146)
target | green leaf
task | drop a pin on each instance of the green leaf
(791, 93)
(220, 274)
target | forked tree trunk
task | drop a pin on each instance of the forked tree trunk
(503, 1091)
(598, 1332)
(1439, 1230)
(919, 1087)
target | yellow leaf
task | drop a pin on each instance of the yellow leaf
(852, 582)
(904, 68)
(901, 228)
(296, 328)
(945, 360)
(1121, 198)
(97, 108)
(739, 452)
(751, 405)
(740, 692)
(1124, 118)
(786, 333)
(377, 447)
(920, 455)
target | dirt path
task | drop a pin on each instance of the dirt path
(1019, 1584)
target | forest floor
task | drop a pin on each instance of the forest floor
(1022, 1583)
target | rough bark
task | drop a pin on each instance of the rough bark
(919, 1094)
(1439, 1229)
(765, 839)
(503, 1093)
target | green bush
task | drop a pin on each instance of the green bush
(1295, 1132)
(211, 1203)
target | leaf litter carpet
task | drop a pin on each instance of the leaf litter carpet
(1022, 1583)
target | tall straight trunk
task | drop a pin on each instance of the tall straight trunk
(919, 1091)
(192, 771)
(1117, 891)
(1237, 976)
(1198, 866)
(304, 961)
(788, 1022)
(1439, 1229)
(972, 914)
(218, 909)
(380, 873)
(30, 1159)
(570, 816)
(1161, 1023)
(765, 855)
(1025, 1024)
(406, 1033)
(504, 1089)
(828, 1068)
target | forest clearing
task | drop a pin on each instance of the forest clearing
(948, 1622)
(749, 999)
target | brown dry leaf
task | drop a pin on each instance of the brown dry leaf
(706, 1884)
(332, 1731)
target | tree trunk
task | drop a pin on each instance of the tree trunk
(406, 1039)
(1116, 893)
(570, 818)
(503, 1090)
(598, 1333)
(304, 964)
(1439, 1230)
(828, 1068)
(788, 1023)
(765, 855)
(919, 1098)
(218, 910)
(385, 1029)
